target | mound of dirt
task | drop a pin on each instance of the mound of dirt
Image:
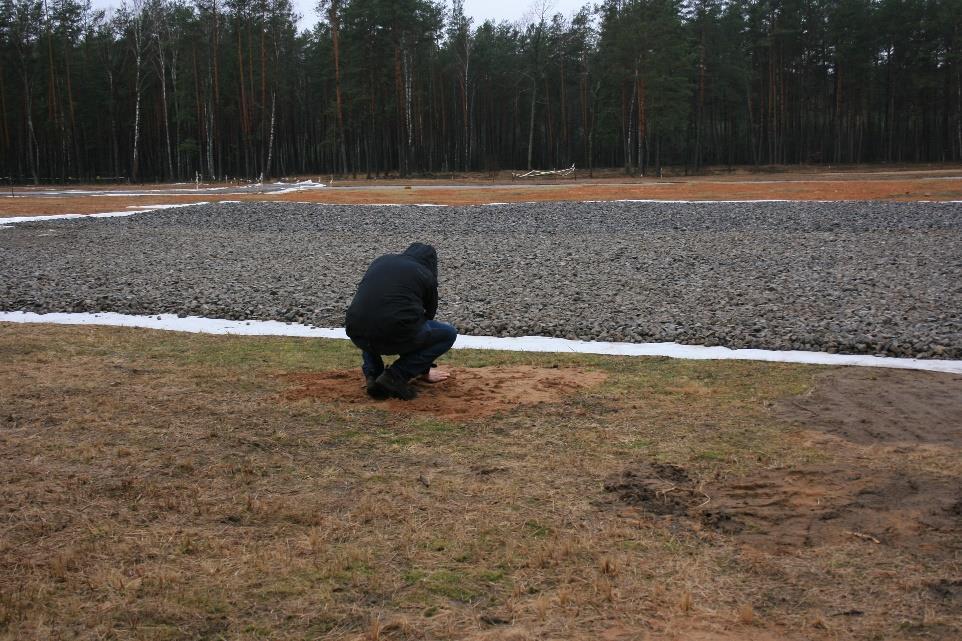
(868, 406)
(780, 509)
(470, 393)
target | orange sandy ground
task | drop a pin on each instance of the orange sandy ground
(895, 185)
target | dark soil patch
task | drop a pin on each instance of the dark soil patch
(947, 590)
(869, 406)
(654, 487)
(470, 393)
(817, 505)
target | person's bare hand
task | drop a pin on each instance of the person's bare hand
(436, 375)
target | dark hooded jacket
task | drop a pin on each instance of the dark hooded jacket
(398, 293)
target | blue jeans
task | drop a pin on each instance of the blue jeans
(416, 357)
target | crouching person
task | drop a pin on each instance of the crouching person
(393, 313)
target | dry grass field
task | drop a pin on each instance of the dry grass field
(170, 486)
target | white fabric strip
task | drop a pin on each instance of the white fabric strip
(137, 209)
(130, 211)
(513, 344)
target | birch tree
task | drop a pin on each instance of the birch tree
(132, 18)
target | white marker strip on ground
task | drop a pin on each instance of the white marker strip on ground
(291, 188)
(137, 209)
(115, 192)
(276, 188)
(727, 202)
(130, 211)
(513, 344)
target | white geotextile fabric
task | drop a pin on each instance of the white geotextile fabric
(197, 324)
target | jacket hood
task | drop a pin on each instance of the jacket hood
(424, 254)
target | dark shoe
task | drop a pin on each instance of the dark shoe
(395, 385)
(374, 390)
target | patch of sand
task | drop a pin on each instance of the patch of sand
(469, 394)
(819, 185)
(868, 406)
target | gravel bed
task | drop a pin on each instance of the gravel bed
(861, 277)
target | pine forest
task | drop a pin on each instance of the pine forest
(175, 90)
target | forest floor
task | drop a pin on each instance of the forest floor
(939, 183)
(159, 485)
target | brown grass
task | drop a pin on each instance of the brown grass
(160, 486)
(899, 184)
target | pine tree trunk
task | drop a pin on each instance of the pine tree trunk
(751, 125)
(270, 145)
(33, 149)
(138, 89)
(334, 18)
(408, 109)
(563, 98)
(163, 95)
(263, 101)
(54, 113)
(3, 122)
(958, 113)
(51, 79)
(534, 98)
(173, 83)
(838, 114)
(591, 129)
(642, 125)
(402, 116)
(700, 111)
(113, 124)
(212, 121)
(465, 112)
(201, 117)
(629, 127)
(73, 116)
(244, 113)
(549, 145)
(583, 104)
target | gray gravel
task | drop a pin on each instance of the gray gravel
(865, 277)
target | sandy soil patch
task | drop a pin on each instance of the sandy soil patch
(890, 189)
(470, 393)
(944, 184)
(869, 406)
(28, 205)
